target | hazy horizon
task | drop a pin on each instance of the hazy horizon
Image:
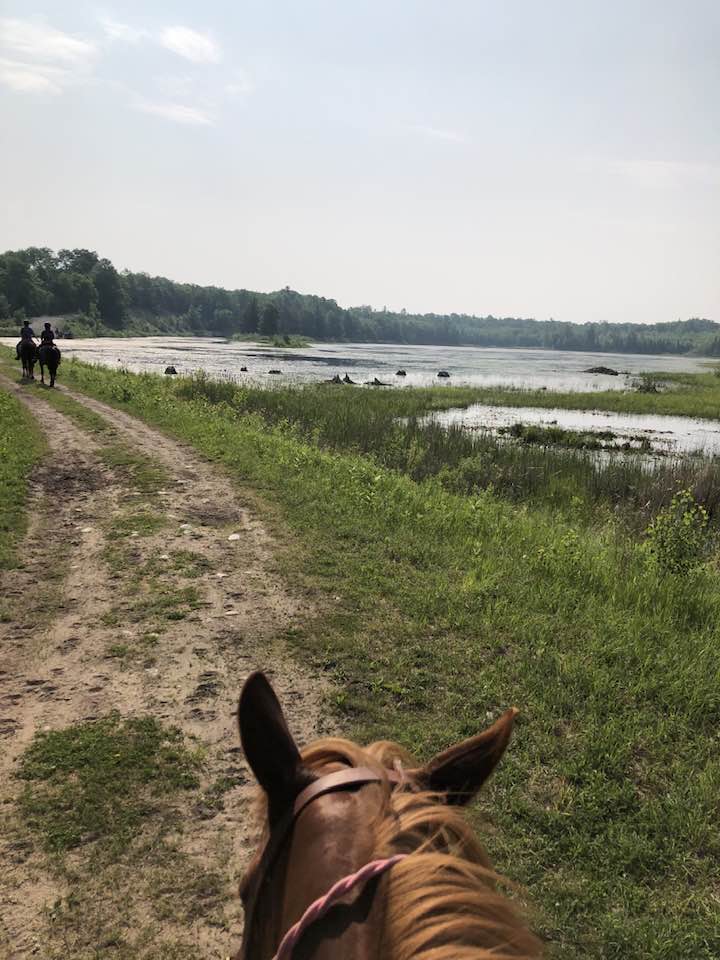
(477, 158)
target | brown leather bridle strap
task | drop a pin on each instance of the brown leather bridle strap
(340, 780)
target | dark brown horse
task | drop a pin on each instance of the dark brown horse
(49, 356)
(27, 355)
(337, 807)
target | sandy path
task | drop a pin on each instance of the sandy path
(62, 670)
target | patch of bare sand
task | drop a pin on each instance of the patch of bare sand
(98, 651)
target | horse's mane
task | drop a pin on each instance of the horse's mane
(443, 902)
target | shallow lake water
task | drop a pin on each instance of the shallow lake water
(666, 434)
(473, 366)
(554, 369)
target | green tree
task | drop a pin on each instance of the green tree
(22, 289)
(224, 321)
(251, 317)
(269, 320)
(79, 261)
(73, 292)
(112, 299)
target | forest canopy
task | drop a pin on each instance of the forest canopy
(93, 298)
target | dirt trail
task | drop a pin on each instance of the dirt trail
(95, 653)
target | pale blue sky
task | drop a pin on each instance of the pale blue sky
(513, 157)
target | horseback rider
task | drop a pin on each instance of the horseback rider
(27, 335)
(47, 337)
(27, 332)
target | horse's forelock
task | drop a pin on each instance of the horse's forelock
(442, 902)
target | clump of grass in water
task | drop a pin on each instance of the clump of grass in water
(557, 436)
(99, 780)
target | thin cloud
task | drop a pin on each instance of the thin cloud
(30, 78)
(37, 58)
(176, 112)
(115, 30)
(29, 39)
(435, 133)
(193, 46)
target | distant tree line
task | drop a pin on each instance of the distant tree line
(78, 283)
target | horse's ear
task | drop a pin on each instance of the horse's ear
(460, 771)
(268, 744)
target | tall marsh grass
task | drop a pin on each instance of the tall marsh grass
(387, 425)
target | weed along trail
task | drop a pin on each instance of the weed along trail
(145, 592)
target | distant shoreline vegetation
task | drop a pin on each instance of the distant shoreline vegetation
(89, 297)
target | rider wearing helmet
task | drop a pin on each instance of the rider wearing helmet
(26, 334)
(26, 331)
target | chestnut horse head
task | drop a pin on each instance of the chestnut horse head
(439, 902)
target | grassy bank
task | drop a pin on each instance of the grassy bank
(21, 445)
(547, 468)
(679, 394)
(444, 607)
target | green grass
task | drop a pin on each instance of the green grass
(21, 446)
(151, 591)
(454, 606)
(85, 418)
(573, 439)
(118, 651)
(164, 602)
(99, 780)
(136, 523)
(551, 467)
(152, 600)
(145, 474)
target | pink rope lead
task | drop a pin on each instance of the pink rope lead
(321, 906)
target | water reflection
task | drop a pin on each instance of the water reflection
(556, 370)
(665, 434)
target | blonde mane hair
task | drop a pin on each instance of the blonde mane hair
(442, 903)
